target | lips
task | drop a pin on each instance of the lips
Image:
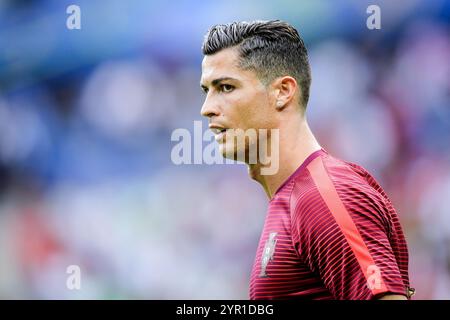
(219, 131)
(220, 136)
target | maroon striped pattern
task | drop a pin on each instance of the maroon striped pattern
(315, 255)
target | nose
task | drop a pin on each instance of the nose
(209, 109)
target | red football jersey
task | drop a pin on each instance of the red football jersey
(330, 232)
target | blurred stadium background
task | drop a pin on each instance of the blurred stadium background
(86, 118)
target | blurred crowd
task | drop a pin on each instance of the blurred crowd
(86, 177)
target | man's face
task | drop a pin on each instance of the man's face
(235, 99)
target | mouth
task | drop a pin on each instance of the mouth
(219, 132)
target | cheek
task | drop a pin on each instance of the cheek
(250, 109)
(241, 110)
(260, 113)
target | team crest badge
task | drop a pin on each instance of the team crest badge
(269, 250)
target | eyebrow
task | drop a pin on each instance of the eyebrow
(215, 82)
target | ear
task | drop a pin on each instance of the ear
(285, 89)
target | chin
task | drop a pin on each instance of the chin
(234, 155)
(225, 151)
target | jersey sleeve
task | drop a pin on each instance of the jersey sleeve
(344, 238)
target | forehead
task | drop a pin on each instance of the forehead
(224, 63)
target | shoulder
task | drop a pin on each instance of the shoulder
(330, 185)
(320, 177)
(351, 181)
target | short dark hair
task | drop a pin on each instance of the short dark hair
(270, 48)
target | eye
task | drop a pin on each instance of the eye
(204, 90)
(226, 88)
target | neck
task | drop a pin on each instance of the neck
(296, 143)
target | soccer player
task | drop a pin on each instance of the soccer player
(331, 231)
